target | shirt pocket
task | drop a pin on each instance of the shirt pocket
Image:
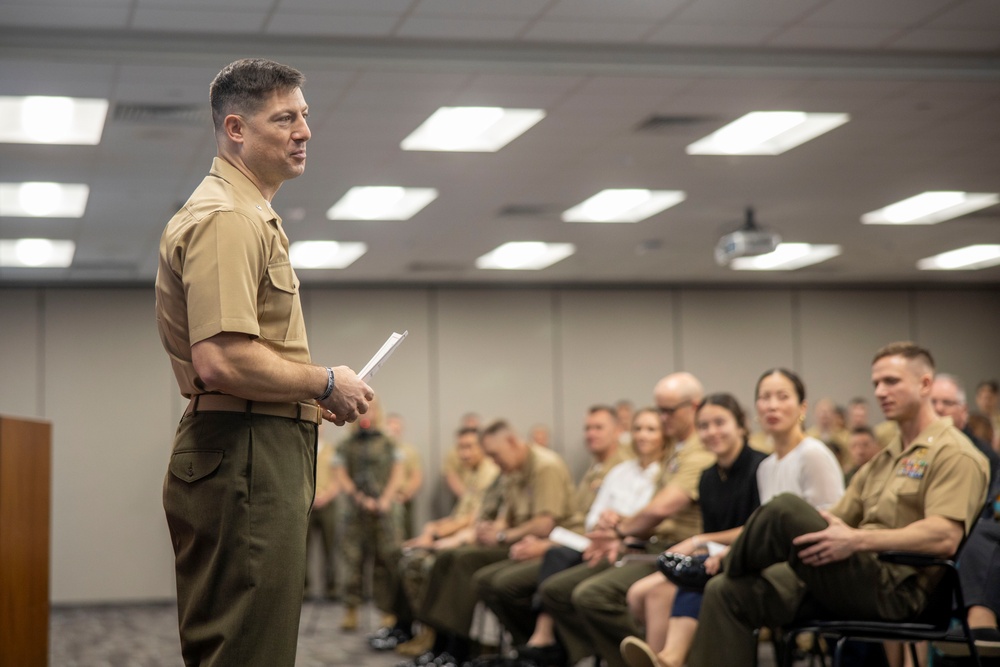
(281, 315)
(905, 498)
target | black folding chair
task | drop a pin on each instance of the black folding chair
(933, 624)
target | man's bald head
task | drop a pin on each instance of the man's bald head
(677, 397)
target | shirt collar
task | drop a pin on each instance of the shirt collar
(244, 187)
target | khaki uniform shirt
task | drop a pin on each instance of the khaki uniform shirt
(542, 486)
(477, 480)
(224, 266)
(587, 489)
(683, 464)
(940, 473)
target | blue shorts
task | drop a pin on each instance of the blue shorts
(687, 603)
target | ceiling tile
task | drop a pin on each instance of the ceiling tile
(947, 39)
(711, 34)
(461, 28)
(972, 14)
(885, 13)
(464, 8)
(346, 25)
(748, 12)
(348, 6)
(831, 37)
(199, 20)
(74, 79)
(594, 31)
(64, 16)
(618, 10)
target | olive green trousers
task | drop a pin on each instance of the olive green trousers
(237, 496)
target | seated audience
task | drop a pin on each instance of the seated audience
(587, 601)
(537, 497)
(799, 465)
(626, 489)
(418, 553)
(921, 493)
(728, 492)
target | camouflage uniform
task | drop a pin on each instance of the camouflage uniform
(368, 458)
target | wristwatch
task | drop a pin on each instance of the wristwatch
(501, 537)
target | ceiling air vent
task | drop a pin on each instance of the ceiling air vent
(436, 267)
(658, 123)
(528, 210)
(160, 114)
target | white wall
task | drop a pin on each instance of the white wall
(90, 361)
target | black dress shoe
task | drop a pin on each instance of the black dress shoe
(551, 655)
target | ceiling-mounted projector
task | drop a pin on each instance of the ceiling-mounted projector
(747, 241)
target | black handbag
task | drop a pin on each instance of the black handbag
(684, 571)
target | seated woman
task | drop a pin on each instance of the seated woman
(800, 465)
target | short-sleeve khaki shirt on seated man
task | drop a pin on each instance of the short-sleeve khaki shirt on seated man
(928, 478)
(542, 486)
(683, 465)
(224, 267)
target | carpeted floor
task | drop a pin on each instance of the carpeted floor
(146, 636)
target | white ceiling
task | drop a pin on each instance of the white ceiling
(920, 78)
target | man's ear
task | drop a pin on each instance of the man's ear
(234, 127)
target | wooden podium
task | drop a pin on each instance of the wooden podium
(25, 511)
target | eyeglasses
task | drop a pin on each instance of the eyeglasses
(669, 412)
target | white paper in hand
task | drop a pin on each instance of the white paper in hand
(376, 361)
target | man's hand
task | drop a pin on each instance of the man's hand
(608, 520)
(834, 543)
(349, 399)
(529, 547)
(486, 533)
(603, 546)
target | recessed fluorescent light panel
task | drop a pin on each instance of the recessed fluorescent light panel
(52, 120)
(968, 258)
(930, 208)
(36, 253)
(767, 133)
(471, 129)
(381, 202)
(525, 255)
(624, 205)
(787, 257)
(325, 254)
(43, 200)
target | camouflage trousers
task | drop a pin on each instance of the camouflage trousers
(369, 538)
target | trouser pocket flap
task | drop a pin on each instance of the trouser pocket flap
(190, 466)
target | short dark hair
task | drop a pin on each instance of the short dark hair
(858, 400)
(859, 430)
(243, 86)
(906, 349)
(800, 387)
(727, 402)
(612, 413)
(992, 385)
(466, 430)
(495, 427)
